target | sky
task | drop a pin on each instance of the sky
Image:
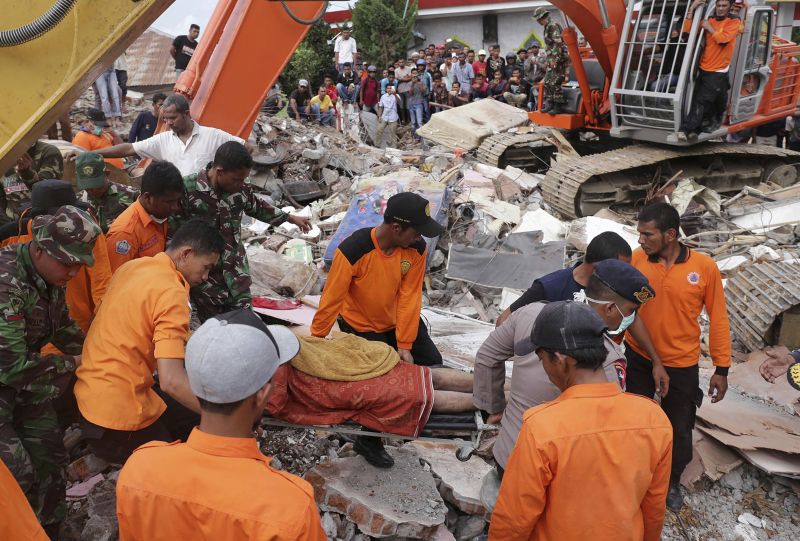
(182, 13)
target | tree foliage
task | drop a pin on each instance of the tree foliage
(311, 60)
(381, 31)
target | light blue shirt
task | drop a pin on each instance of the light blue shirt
(463, 74)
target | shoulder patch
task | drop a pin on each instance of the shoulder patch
(357, 245)
(122, 247)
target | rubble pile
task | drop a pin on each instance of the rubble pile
(500, 236)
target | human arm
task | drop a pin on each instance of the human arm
(134, 131)
(50, 165)
(727, 32)
(336, 47)
(173, 380)
(22, 368)
(173, 50)
(115, 138)
(170, 331)
(121, 247)
(654, 501)
(778, 361)
(523, 492)
(334, 294)
(117, 151)
(638, 331)
(409, 301)
(100, 272)
(535, 293)
(720, 334)
(257, 208)
(490, 368)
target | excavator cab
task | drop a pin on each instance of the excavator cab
(658, 64)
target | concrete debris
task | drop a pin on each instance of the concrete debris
(540, 220)
(102, 524)
(459, 482)
(400, 501)
(467, 126)
(85, 467)
(582, 231)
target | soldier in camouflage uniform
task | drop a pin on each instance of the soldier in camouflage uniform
(220, 194)
(557, 62)
(42, 160)
(108, 199)
(33, 313)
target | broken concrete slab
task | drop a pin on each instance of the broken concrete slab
(582, 231)
(552, 228)
(499, 269)
(467, 126)
(400, 501)
(459, 482)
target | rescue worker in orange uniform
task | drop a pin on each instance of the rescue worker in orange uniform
(685, 282)
(711, 89)
(86, 289)
(141, 328)
(218, 485)
(17, 519)
(141, 229)
(592, 464)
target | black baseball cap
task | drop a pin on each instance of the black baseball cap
(625, 280)
(50, 194)
(98, 117)
(414, 210)
(565, 326)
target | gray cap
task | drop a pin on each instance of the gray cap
(231, 356)
(564, 326)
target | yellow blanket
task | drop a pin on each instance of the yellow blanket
(345, 358)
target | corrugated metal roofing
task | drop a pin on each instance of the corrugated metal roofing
(149, 61)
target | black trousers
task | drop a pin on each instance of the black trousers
(423, 349)
(116, 446)
(680, 404)
(709, 101)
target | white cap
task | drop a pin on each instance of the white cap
(231, 356)
(481, 52)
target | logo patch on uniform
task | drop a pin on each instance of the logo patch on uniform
(643, 295)
(11, 315)
(793, 375)
(88, 170)
(405, 266)
(693, 278)
(428, 210)
(122, 247)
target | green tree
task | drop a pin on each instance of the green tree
(313, 57)
(381, 30)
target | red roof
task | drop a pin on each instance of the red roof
(344, 15)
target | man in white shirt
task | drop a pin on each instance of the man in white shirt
(345, 49)
(387, 117)
(188, 145)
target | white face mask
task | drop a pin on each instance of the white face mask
(626, 322)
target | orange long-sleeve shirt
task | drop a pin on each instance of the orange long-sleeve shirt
(592, 464)
(720, 44)
(373, 292)
(134, 234)
(90, 141)
(144, 317)
(17, 520)
(212, 487)
(692, 283)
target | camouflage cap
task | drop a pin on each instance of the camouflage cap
(539, 13)
(90, 170)
(67, 236)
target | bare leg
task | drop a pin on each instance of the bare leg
(452, 402)
(448, 379)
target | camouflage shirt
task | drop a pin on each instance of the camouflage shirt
(33, 313)
(224, 211)
(554, 43)
(16, 195)
(114, 201)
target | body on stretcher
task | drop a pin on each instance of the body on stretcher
(448, 428)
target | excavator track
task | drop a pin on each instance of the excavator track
(580, 186)
(529, 151)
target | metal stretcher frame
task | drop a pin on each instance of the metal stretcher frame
(443, 434)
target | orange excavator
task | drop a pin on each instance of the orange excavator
(52, 50)
(633, 85)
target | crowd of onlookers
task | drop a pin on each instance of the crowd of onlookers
(409, 90)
